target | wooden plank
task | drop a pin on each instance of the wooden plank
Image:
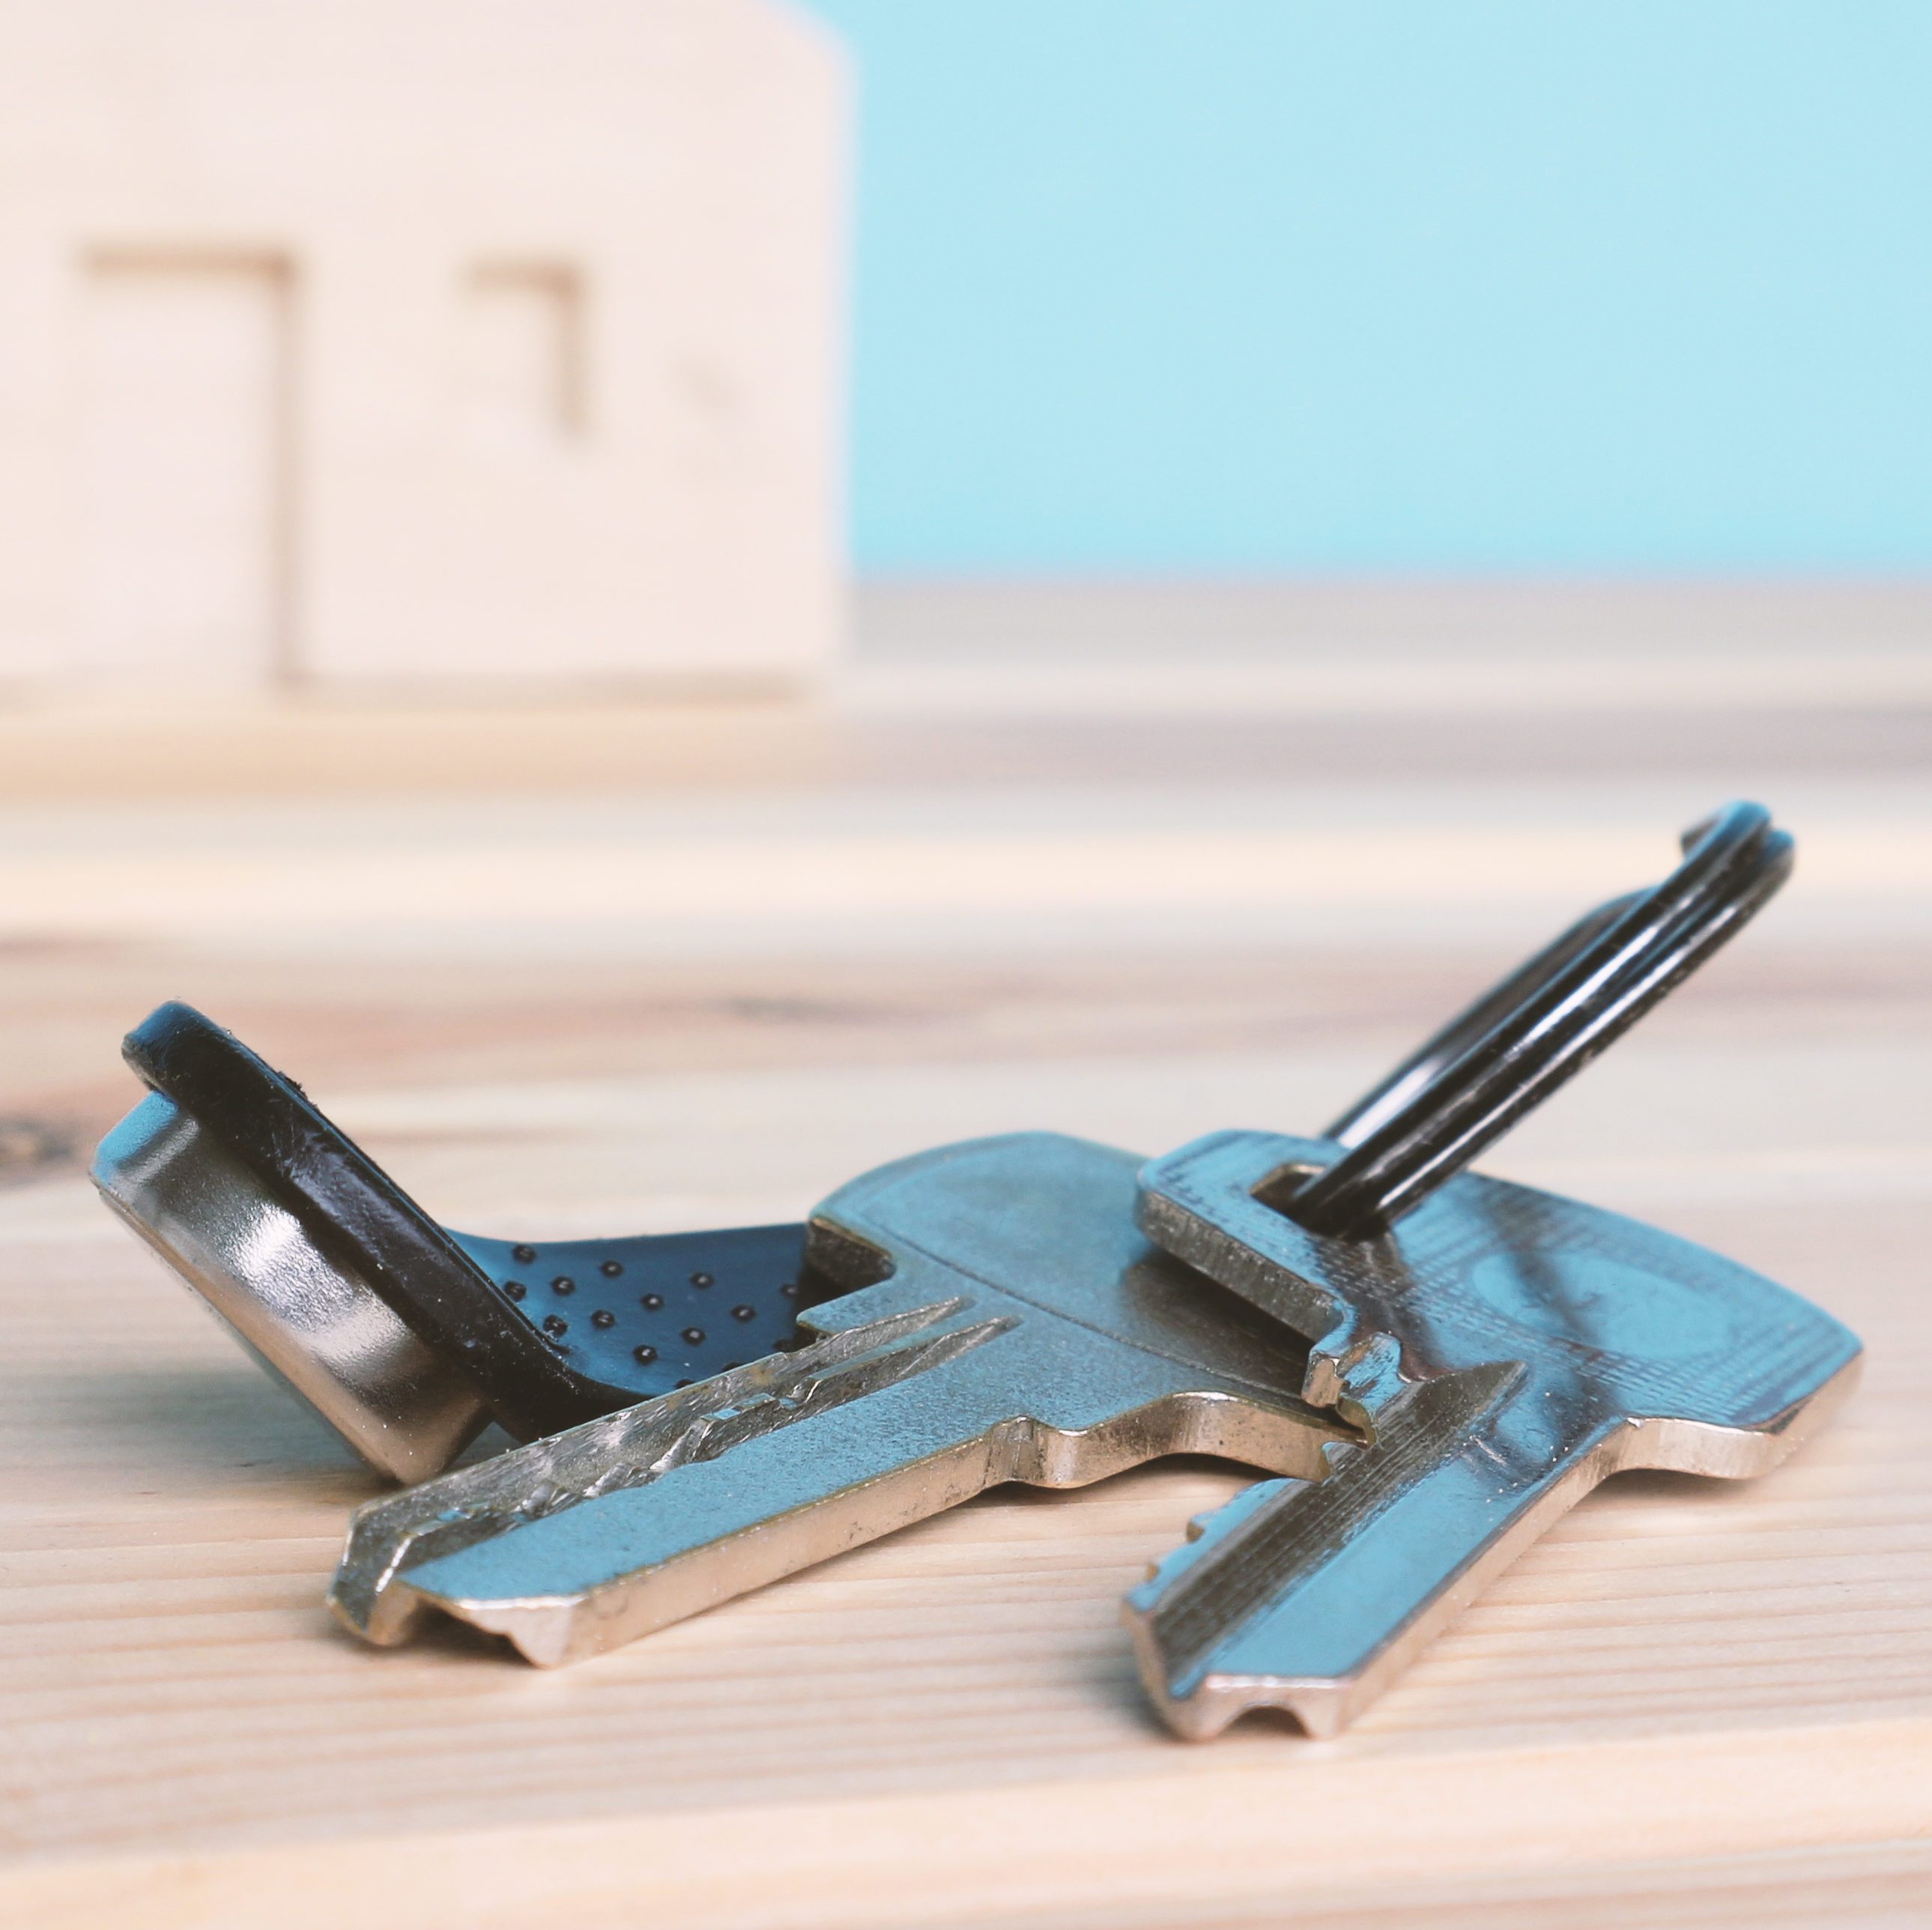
(1691, 1703)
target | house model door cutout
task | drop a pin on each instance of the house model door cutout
(184, 468)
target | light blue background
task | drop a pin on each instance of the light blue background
(1628, 286)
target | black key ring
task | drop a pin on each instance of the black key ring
(1507, 1053)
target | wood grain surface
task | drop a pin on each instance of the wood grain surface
(563, 1007)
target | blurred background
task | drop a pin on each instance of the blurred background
(1481, 288)
(664, 600)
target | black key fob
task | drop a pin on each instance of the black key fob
(407, 1337)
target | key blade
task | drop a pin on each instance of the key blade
(1310, 1597)
(391, 1540)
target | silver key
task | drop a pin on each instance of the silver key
(1503, 1350)
(1011, 1324)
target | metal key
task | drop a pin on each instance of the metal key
(1009, 1324)
(1502, 1349)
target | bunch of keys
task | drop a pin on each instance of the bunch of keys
(1431, 1365)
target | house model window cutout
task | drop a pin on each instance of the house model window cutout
(425, 343)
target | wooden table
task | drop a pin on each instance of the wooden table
(554, 1002)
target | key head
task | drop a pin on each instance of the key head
(1614, 1321)
(1040, 1228)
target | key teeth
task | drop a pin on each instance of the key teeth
(1198, 1707)
(400, 1611)
(1322, 1705)
(386, 1616)
(1357, 1374)
(542, 1631)
(1204, 1532)
(376, 1593)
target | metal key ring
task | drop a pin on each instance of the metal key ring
(1474, 1079)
